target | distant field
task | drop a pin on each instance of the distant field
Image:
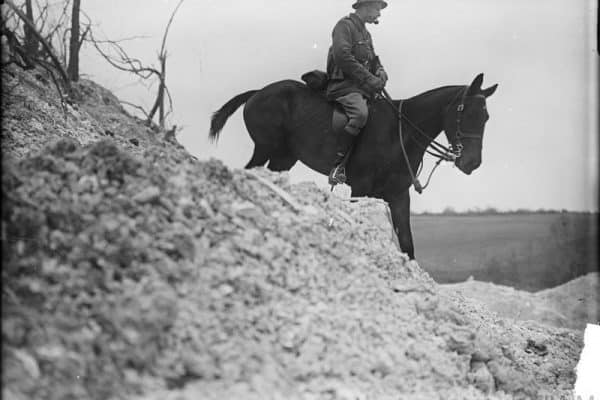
(526, 251)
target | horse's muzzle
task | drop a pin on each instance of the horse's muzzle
(469, 166)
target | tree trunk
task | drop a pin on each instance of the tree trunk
(73, 68)
(160, 95)
(31, 44)
(161, 92)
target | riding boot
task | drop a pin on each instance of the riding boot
(345, 141)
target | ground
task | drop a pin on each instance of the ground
(131, 270)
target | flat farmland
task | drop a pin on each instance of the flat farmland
(529, 251)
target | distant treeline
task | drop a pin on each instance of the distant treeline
(494, 211)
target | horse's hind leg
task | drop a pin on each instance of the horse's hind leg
(259, 157)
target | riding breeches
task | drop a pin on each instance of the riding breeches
(355, 106)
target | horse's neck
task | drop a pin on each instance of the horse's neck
(427, 110)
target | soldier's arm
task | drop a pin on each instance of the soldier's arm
(378, 69)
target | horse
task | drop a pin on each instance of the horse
(288, 121)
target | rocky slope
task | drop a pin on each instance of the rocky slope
(132, 270)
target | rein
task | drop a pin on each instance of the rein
(415, 178)
(442, 152)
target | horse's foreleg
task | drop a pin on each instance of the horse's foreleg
(400, 209)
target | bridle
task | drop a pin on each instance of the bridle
(440, 151)
(460, 133)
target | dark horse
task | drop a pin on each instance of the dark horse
(288, 122)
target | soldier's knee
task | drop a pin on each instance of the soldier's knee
(357, 110)
(362, 115)
(357, 120)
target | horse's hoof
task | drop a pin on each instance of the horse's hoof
(337, 175)
(337, 180)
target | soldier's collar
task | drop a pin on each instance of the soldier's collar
(356, 19)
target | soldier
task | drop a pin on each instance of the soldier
(355, 75)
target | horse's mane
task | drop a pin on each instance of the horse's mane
(416, 103)
(433, 91)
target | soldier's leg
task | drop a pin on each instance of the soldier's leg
(355, 106)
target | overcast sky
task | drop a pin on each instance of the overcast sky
(540, 147)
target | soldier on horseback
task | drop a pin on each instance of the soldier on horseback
(355, 75)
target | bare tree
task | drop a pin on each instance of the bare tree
(162, 57)
(13, 51)
(48, 39)
(49, 51)
(122, 61)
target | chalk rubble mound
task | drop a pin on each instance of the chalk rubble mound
(133, 270)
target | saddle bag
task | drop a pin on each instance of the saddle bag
(316, 80)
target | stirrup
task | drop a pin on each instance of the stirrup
(337, 175)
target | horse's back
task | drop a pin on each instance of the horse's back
(290, 117)
(289, 105)
(289, 93)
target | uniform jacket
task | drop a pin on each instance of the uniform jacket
(351, 61)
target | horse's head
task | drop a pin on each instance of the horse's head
(464, 122)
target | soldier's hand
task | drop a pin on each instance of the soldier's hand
(381, 74)
(379, 85)
(376, 84)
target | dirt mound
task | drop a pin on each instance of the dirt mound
(578, 299)
(572, 305)
(139, 272)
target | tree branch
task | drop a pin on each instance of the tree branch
(162, 56)
(137, 107)
(62, 97)
(42, 17)
(83, 35)
(60, 22)
(164, 41)
(124, 62)
(17, 48)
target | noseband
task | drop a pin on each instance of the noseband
(457, 147)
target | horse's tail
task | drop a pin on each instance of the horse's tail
(220, 117)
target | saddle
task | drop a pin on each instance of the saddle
(317, 81)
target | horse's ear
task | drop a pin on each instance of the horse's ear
(476, 85)
(489, 91)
